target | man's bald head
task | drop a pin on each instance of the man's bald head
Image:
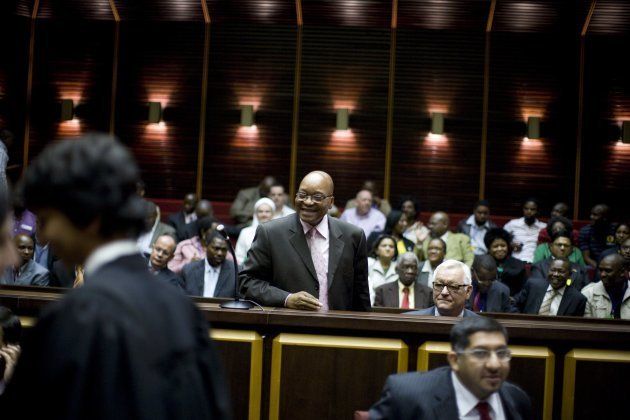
(315, 197)
(438, 224)
(203, 209)
(322, 178)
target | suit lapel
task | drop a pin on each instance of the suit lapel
(224, 278)
(200, 277)
(564, 302)
(445, 405)
(335, 249)
(298, 241)
(393, 295)
(508, 405)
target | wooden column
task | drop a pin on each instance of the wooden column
(112, 112)
(296, 102)
(390, 103)
(204, 100)
(486, 98)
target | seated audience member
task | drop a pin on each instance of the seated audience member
(416, 230)
(279, 198)
(378, 203)
(457, 244)
(451, 288)
(561, 247)
(473, 386)
(162, 252)
(155, 229)
(27, 272)
(511, 271)
(488, 294)
(610, 297)
(552, 296)
(8, 253)
(10, 349)
(43, 254)
(557, 224)
(202, 209)
(63, 276)
(525, 232)
(621, 234)
(192, 249)
(598, 236)
(624, 251)
(185, 217)
(476, 226)
(406, 292)
(395, 225)
(435, 256)
(242, 209)
(214, 275)
(560, 210)
(364, 215)
(382, 264)
(24, 222)
(263, 212)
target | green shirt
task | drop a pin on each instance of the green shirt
(543, 251)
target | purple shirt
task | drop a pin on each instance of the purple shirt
(25, 224)
(373, 221)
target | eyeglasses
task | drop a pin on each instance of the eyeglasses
(452, 288)
(483, 355)
(316, 198)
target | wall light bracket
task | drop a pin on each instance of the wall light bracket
(437, 123)
(67, 109)
(155, 112)
(343, 118)
(247, 115)
(533, 128)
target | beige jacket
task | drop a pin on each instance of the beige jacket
(598, 303)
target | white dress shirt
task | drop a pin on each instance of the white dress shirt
(426, 268)
(467, 402)
(108, 253)
(526, 235)
(286, 210)
(477, 235)
(210, 279)
(189, 218)
(555, 303)
(412, 300)
(377, 276)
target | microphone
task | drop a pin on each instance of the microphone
(237, 303)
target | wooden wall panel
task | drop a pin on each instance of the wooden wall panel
(73, 60)
(606, 105)
(532, 75)
(249, 65)
(161, 62)
(438, 71)
(344, 68)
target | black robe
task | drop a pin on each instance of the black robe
(124, 346)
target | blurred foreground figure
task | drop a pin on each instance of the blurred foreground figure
(125, 345)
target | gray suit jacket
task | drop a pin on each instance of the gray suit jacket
(431, 311)
(431, 396)
(279, 263)
(32, 274)
(193, 275)
(387, 295)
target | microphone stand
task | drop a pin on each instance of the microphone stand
(237, 303)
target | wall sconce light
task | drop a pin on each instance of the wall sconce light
(67, 109)
(247, 115)
(533, 127)
(625, 132)
(342, 118)
(155, 112)
(437, 123)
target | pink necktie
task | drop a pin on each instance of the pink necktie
(321, 266)
(483, 409)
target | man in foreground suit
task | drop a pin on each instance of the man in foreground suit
(552, 296)
(308, 260)
(474, 386)
(451, 288)
(121, 346)
(406, 292)
(214, 275)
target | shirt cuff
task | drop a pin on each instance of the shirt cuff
(286, 298)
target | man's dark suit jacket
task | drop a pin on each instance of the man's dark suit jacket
(431, 396)
(193, 276)
(125, 343)
(579, 276)
(573, 302)
(513, 274)
(168, 277)
(431, 311)
(61, 276)
(498, 299)
(279, 263)
(387, 295)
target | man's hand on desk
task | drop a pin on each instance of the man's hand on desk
(302, 300)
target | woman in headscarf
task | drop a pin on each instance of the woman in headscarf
(263, 212)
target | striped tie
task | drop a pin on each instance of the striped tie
(546, 305)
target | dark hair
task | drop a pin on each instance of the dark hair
(484, 261)
(416, 204)
(461, 332)
(391, 220)
(11, 326)
(378, 242)
(204, 224)
(214, 235)
(438, 239)
(562, 234)
(568, 224)
(532, 200)
(498, 233)
(91, 177)
(484, 203)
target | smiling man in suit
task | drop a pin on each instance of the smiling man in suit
(473, 386)
(552, 296)
(308, 260)
(406, 292)
(214, 275)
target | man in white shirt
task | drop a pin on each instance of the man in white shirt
(279, 198)
(525, 231)
(474, 386)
